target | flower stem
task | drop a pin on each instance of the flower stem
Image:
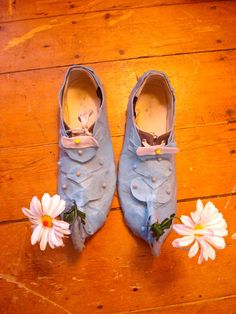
(71, 215)
(158, 229)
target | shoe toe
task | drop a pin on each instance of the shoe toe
(147, 197)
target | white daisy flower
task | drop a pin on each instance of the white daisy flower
(46, 228)
(206, 228)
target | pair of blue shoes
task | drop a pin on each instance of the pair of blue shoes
(87, 173)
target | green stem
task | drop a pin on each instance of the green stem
(71, 215)
(158, 229)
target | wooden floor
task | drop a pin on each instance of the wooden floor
(194, 42)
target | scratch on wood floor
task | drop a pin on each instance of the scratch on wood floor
(12, 279)
(21, 39)
(230, 197)
(29, 164)
(40, 126)
(172, 42)
(43, 277)
(119, 18)
(76, 279)
(188, 14)
(163, 308)
(206, 29)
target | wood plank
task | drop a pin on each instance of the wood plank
(21, 9)
(198, 79)
(26, 295)
(123, 34)
(129, 278)
(206, 165)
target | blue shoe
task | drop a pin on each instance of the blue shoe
(146, 179)
(87, 178)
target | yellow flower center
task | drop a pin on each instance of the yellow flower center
(199, 227)
(77, 141)
(158, 151)
(46, 221)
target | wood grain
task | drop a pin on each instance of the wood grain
(129, 278)
(205, 87)
(124, 34)
(22, 9)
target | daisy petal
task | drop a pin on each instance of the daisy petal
(36, 233)
(208, 250)
(60, 242)
(200, 258)
(182, 229)
(44, 239)
(204, 248)
(50, 241)
(35, 206)
(28, 213)
(216, 218)
(60, 223)
(208, 211)
(199, 206)
(196, 217)
(59, 209)
(217, 224)
(217, 242)
(184, 241)
(61, 231)
(234, 236)
(57, 241)
(40, 234)
(54, 203)
(193, 250)
(46, 203)
(203, 231)
(211, 252)
(53, 238)
(220, 232)
(211, 208)
(187, 221)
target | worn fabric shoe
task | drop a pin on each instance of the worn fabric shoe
(87, 178)
(146, 179)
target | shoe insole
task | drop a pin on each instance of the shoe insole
(151, 108)
(80, 97)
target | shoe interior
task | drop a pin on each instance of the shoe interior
(153, 105)
(80, 98)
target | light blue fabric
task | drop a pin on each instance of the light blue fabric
(93, 190)
(145, 201)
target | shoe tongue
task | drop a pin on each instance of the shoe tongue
(84, 130)
(152, 139)
(84, 118)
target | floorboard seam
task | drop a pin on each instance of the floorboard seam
(121, 60)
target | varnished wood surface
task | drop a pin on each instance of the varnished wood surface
(120, 34)
(194, 43)
(22, 10)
